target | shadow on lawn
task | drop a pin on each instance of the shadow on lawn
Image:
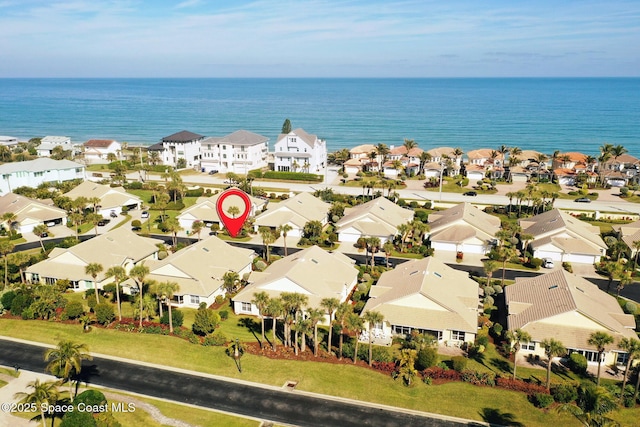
(255, 328)
(496, 416)
(501, 364)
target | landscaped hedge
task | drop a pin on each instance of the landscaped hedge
(293, 176)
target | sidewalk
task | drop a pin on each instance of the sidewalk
(17, 385)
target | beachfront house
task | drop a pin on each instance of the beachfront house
(118, 247)
(379, 218)
(30, 213)
(107, 199)
(568, 308)
(425, 296)
(32, 173)
(295, 212)
(49, 143)
(462, 228)
(362, 157)
(239, 152)
(98, 150)
(179, 149)
(312, 272)
(299, 151)
(563, 238)
(199, 270)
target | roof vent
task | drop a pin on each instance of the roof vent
(580, 289)
(413, 272)
(205, 249)
(437, 274)
(314, 261)
(553, 287)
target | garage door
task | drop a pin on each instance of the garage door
(556, 256)
(580, 259)
(348, 237)
(441, 246)
(472, 249)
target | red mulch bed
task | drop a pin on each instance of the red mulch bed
(287, 353)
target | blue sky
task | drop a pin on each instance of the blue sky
(319, 38)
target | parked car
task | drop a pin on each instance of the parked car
(213, 171)
(583, 200)
(547, 263)
(136, 228)
(50, 223)
(103, 222)
(144, 214)
(113, 214)
(470, 193)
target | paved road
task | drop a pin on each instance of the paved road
(263, 402)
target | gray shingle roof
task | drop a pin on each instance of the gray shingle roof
(182, 136)
(38, 165)
(243, 137)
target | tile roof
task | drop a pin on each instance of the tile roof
(363, 149)
(556, 223)
(243, 137)
(462, 222)
(426, 294)
(99, 143)
(382, 212)
(29, 210)
(109, 196)
(299, 209)
(312, 271)
(440, 151)
(483, 153)
(533, 303)
(205, 208)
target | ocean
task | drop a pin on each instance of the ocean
(544, 114)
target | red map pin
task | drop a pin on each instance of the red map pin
(233, 224)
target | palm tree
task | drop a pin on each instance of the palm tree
(409, 144)
(490, 266)
(593, 404)
(6, 247)
(355, 324)
(273, 309)
(330, 305)
(635, 245)
(196, 228)
(138, 273)
(10, 218)
(600, 340)
(315, 315)
(40, 230)
(373, 318)
(119, 275)
(93, 269)
(382, 151)
(298, 301)
(617, 151)
(173, 226)
(552, 348)
(43, 395)
(65, 360)
(342, 313)
(516, 338)
(373, 245)
(268, 237)
(632, 347)
(388, 248)
(166, 290)
(284, 229)
(424, 159)
(261, 300)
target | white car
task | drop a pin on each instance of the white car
(547, 263)
(144, 214)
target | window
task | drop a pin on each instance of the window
(622, 358)
(179, 299)
(246, 306)
(50, 280)
(528, 346)
(457, 335)
(195, 299)
(74, 284)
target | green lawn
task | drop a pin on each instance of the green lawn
(354, 382)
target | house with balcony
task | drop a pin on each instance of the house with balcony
(239, 152)
(180, 145)
(425, 296)
(299, 151)
(567, 308)
(32, 173)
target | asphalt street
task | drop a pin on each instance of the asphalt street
(258, 401)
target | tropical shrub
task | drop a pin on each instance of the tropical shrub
(205, 321)
(426, 358)
(177, 318)
(564, 393)
(630, 307)
(577, 363)
(74, 309)
(7, 299)
(218, 338)
(497, 329)
(104, 313)
(20, 302)
(459, 363)
(224, 314)
(543, 400)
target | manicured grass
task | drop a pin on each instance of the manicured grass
(2, 383)
(11, 372)
(354, 382)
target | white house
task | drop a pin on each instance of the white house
(32, 173)
(312, 272)
(379, 217)
(111, 199)
(98, 150)
(563, 238)
(205, 210)
(48, 143)
(30, 213)
(118, 247)
(8, 141)
(239, 152)
(295, 212)
(462, 228)
(299, 151)
(199, 270)
(425, 296)
(181, 145)
(568, 308)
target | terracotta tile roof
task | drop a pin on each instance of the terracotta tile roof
(574, 156)
(482, 153)
(99, 143)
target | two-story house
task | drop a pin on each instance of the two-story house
(98, 150)
(299, 151)
(32, 173)
(238, 152)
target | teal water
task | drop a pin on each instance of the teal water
(543, 114)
